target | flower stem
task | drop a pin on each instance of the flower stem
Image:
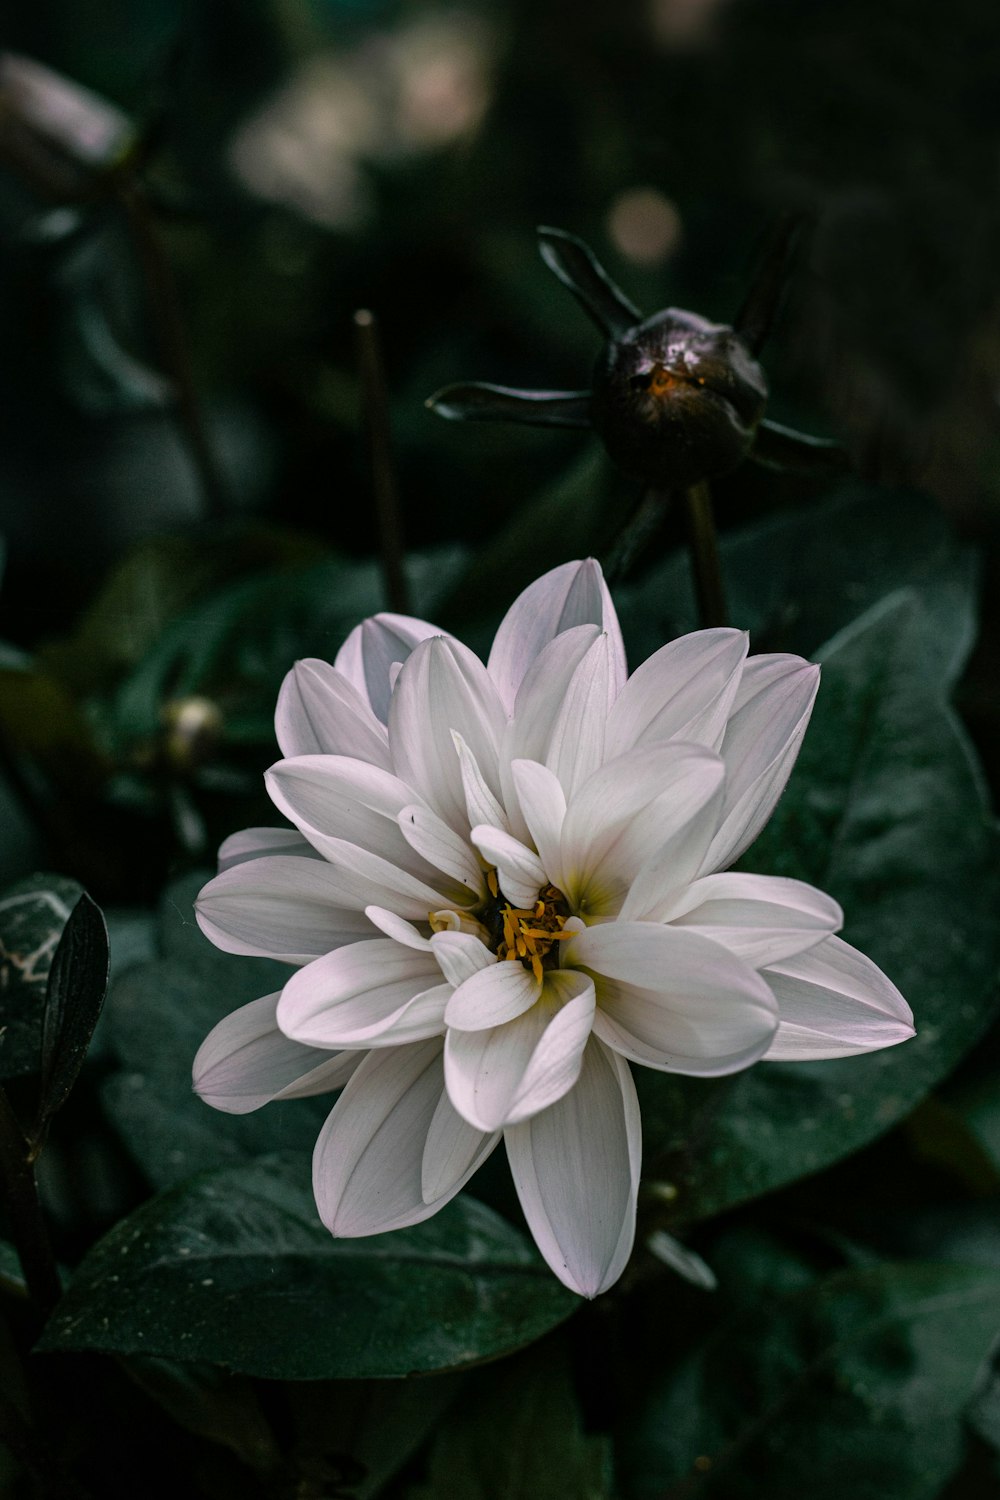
(704, 547)
(27, 1222)
(375, 406)
(637, 531)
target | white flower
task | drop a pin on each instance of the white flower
(500, 888)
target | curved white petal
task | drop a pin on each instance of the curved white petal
(576, 1170)
(452, 1152)
(834, 1002)
(444, 687)
(460, 955)
(246, 1061)
(372, 994)
(319, 712)
(504, 1074)
(543, 807)
(397, 928)
(280, 906)
(674, 1000)
(684, 691)
(570, 595)
(441, 847)
(763, 919)
(480, 804)
(369, 1158)
(658, 804)
(762, 739)
(373, 648)
(491, 996)
(576, 744)
(519, 870)
(254, 843)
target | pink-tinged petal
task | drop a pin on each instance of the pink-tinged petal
(480, 804)
(519, 870)
(763, 919)
(373, 994)
(684, 691)
(543, 807)
(369, 1159)
(576, 745)
(834, 1002)
(246, 1061)
(441, 847)
(398, 928)
(320, 712)
(453, 1151)
(444, 687)
(255, 843)
(576, 1170)
(657, 804)
(504, 1074)
(373, 648)
(460, 955)
(281, 907)
(492, 995)
(674, 1000)
(570, 595)
(762, 739)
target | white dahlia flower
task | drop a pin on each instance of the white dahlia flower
(503, 885)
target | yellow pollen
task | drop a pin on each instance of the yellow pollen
(530, 935)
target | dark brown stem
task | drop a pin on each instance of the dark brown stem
(375, 406)
(637, 531)
(704, 546)
(27, 1222)
(171, 335)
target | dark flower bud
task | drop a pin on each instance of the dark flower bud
(677, 399)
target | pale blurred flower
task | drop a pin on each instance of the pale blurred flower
(501, 888)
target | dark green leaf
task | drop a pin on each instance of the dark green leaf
(886, 811)
(33, 914)
(854, 1386)
(543, 1453)
(156, 1018)
(235, 1268)
(77, 984)
(208, 1401)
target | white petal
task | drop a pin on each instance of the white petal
(254, 843)
(576, 1170)
(491, 996)
(519, 870)
(504, 1074)
(280, 907)
(763, 919)
(441, 847)
(460, 955)
(396, 927)
(570, 595)
(453, 1151)
(372, 994)
(444, 687)
(245, 1061)
(480, 803)
(657, 804)
(674, 1000)
(762, 739)
(834, 1002)
(373, 648)
(320, 712)
(543, 807)
(684, 691)
(368, 1162)
(576, 745)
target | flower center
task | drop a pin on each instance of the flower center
(527, 935)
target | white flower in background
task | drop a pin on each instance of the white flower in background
(501, 887)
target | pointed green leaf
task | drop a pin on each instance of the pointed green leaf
(33, 914)
(77, 984)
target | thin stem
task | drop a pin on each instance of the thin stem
(704, 546)
(27, 1222)
(638, 529)
(165, 311)
(375, 402)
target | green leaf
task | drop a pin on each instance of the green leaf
(856, 1385)
(886, 811)
(157, 1016)
(33, 914)
(206, 1400)
(77, 984)
(235, 1268)
(544, 1453)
